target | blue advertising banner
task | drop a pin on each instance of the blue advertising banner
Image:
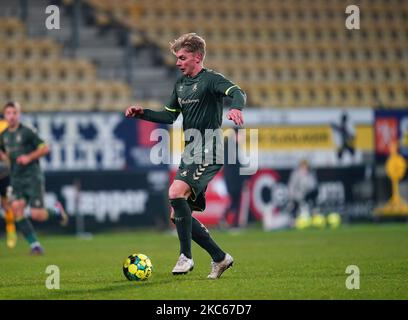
(109, 198)
(92, 141)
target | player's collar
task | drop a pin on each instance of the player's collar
(16, 128)
(200, 72)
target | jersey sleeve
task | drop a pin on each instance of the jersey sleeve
(168, 116)
(172, 104)
(2, 147)
(34, 139)
(222, 86)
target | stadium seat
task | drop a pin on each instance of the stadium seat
(11, 29)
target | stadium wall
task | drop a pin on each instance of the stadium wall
(107, 156)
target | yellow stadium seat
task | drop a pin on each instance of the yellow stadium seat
(11, 29)
(276, 49)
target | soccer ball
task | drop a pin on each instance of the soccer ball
(137, 267)
(302, 222)
(334, 220)
(318, 221)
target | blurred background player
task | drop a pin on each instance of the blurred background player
(11, 236)
(23, 148)
(198, 95)
(233, 180)
(346, 136)
(302, 188)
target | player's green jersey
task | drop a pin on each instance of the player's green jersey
(21, 141)
(200, 100)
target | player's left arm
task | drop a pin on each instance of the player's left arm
(225, 87)
(40, 149)
(3, 155)
(238, 102)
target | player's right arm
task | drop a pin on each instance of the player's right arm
(168, 115)
(39, 148)
(165, 116)
(3, 155)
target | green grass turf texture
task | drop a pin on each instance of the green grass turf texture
(290, 264)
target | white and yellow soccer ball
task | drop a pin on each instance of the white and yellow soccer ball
(137, 267)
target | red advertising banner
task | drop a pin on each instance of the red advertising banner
(386, 131)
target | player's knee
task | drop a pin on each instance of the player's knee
(4, 203)
(177, 191)
(38, 214)
(18, 209)
(18, 214)
(175, 194)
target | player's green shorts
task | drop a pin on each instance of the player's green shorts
(32, 190)
(197, 176)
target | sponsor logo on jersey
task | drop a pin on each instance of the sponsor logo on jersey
(187, 101)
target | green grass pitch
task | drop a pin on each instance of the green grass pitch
(292, 264)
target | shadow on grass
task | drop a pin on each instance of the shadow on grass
(119, 286)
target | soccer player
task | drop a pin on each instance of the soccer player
(198, 95)
(11, 236)
(23, 147)
(233, 181)
(302, 189)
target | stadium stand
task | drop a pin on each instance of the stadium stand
(293, 53)
(287, 53)
(35, 72)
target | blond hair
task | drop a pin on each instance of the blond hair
(12, 104)
(189, 41)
